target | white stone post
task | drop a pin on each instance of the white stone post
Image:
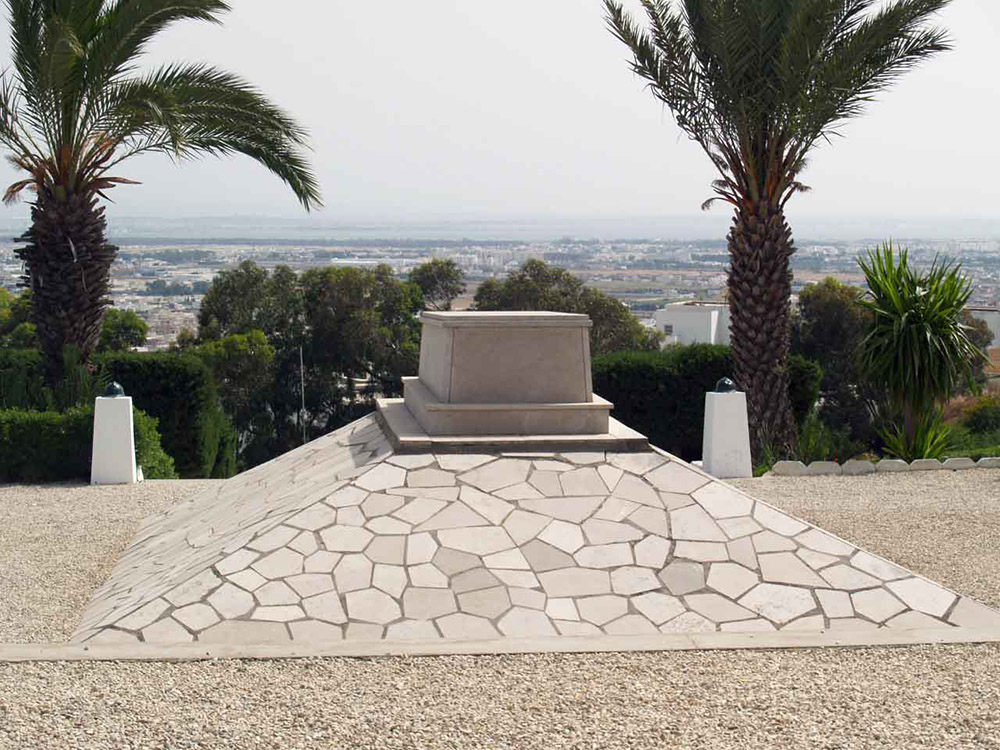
(726, 441)
(113, 457)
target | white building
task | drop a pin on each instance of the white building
(990, 316)
(694, 323)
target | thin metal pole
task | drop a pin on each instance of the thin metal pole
(302, 390)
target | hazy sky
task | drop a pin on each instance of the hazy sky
(467, 108)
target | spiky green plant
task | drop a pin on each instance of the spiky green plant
(918, 349)
(75, 106)
(757, 84)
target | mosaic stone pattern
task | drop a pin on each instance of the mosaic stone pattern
(344, 539)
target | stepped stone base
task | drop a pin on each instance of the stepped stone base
(346, 538)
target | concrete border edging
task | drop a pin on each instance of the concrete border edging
(856, 467)
(73, 652)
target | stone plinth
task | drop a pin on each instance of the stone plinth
(113, 457)
(505, 373)
(726, 440)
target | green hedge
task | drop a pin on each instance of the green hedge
(179, 391)
(47, 446)
(21, 384)
(662, 394)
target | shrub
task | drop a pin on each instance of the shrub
(48, 446)
(804, 378)
(179, 391)
(984, 415)
(662, 394)
(21, 384)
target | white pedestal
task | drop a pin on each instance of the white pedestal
(113, 457)
(726, 442)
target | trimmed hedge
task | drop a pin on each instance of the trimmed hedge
(662, 394)
(47, 446)
(180, 392)
(21, 384)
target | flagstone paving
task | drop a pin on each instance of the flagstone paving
(342, 538)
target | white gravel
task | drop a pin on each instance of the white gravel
(58, 544)
(944, 525)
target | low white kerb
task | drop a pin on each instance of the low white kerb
(113, 454)
(726, 442)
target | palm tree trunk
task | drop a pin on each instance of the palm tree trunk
(760, 247)
(68, 269)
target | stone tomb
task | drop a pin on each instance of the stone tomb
(349, 538)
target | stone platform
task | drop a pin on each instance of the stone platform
(345, 538)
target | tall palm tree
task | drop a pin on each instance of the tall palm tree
(757, 84)
(75, 106)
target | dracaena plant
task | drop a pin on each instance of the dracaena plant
(74, 106)
(758, 84)
(918, 349)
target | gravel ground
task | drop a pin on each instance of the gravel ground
(59, 542)
(944, 525)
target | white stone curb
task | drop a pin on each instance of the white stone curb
(855, 467)
(48, 652)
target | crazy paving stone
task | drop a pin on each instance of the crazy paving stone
(461, 626)
(823, 542)
(567, 537)
(778, 603)
(363, 631)
(702, 551)
(689, 622)
(345, 538)
(482, 541)
(390, 550)
(876, 604)
(575, 582)
(281, 613)
(462, 462)
(525, 623)
(321, 561)
(489, 603)
(314, 518)
(651, 520)
(658, 607)
(636, 463)
(471, 580)
(489, 507)
(923, 596)
(325, 607)
(630, 625)
(522, 491)
(353, 572)
(511, 559)
(573, 509)
(373, 606)
(276, 592)
(784, 567)
(498, 474)
(876, 566)
(848, 578)
(524, 526)
(451, 562)
(427, 576)
(430, 478)
(768, 541)
(546, 482)
(683, 577)
(835, 603)
(419, 510)
(693, 523)
(562, 609)
(455, 516)
(616, 509)
(542, 556)
(673, 477)
(196, 616)
(914, 621)
(382, 477)
(604, 555)
(776, 521)
(610, 475)
(585, 481)
(379, 505)
(735, 528)
(166, 631)
(420, 548)
(652, 552)
(716, 608)
(391, 579)
(635, 489)
(630, 580)
(194, 590)
(722, 502)
(607, 532)
(731, 579)
(426, 604)
(387, 526)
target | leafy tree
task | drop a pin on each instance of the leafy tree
(757, 84)
(917, 349)
(982, 338)
(122, 331)
(355, 329)
(829, 329)
(243, 367)
(539, 286)
(440, 281)
(74, 106)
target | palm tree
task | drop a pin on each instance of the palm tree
(75, 106)
(757, 84)
(918, 348)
